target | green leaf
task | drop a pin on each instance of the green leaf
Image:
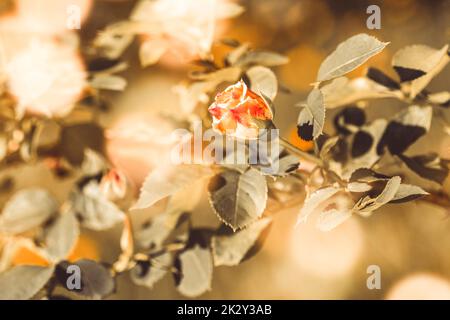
(349, 55)
(238, 198)
(262, 58)
(61, 236)
(428, 166)
(316, 200)
(23, 282)
(367, 204)
(148, 273)
(168, 227)
(163, 182)
(330, 219)
(281, 166)
(440, 98)
(406, 128)
(97, 212)
(419, 64)
(358, 187)
(408, 192)
(232, 249)
(196, 271)
(27, 209)
(263, 81)
(343, 91)
(313, 114)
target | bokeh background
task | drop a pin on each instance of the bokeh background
(409, 242)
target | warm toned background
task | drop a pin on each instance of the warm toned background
(410, 242)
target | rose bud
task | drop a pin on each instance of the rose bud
(239, 112)
(114, 185)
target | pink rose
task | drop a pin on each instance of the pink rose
(237, 111)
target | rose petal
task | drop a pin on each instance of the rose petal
(216, 111)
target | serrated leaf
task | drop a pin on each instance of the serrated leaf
(366, 205)
(61, 236)
(196, 271)
(27, 209)
(263, 80)
(349, 55)
(415, 61)
(23, 282)
(232, 249)
(312, 114)
(238, 198)
(314, 201)
(408, 192)
(163, 182)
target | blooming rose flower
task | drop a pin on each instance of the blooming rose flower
(240, 112)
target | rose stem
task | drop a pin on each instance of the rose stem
(301, 154)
